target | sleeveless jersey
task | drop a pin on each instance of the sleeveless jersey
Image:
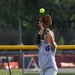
(46, 55)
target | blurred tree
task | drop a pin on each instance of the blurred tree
(62, 12)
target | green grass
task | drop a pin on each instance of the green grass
(66, 74)
(13, 72)
(19, 72)
(57, 74)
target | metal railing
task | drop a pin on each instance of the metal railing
(30, 47)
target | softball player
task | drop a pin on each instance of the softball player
(47, 50)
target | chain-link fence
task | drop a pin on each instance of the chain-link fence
(26, 62)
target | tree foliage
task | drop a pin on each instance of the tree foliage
(62, 12)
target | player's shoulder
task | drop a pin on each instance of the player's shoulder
(42, 41)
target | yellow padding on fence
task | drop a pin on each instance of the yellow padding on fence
(33, 47)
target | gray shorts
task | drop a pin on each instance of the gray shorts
(48, 71)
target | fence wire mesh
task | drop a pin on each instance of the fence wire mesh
(26, 62)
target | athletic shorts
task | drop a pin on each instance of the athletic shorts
(48, 71)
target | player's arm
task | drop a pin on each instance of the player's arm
(53, 43)
(38, 37)
(52, 38)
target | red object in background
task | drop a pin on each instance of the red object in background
(62, 60)
(14, 65)
(65, 61)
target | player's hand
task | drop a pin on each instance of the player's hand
(41, 25)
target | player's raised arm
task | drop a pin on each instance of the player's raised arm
(38, 37)
(51, 36)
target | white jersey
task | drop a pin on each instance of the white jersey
(46, 55)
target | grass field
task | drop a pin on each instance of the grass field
(57, 74)
(26, 72)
